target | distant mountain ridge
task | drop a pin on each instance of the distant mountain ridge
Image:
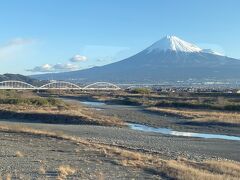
(170, 59)
(19, 77)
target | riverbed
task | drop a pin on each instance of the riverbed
(168, 145)
(146, 118)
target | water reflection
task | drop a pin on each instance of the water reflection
(93, 103)
(168, 131)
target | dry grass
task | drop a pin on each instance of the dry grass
(185, 169)
(73, 112)
(42, 170)
(8, 176)
(100, 176)
(229, 168)
(177, 169)
(202, 116)
(64, 171)
(15, 94)
(19, 154)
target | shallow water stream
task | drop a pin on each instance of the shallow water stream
(167, 131)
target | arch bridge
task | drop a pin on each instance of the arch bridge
(60, 85)
(16, 85)
(20, 85)
(101, 86)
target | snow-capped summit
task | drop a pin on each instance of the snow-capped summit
(173, 43)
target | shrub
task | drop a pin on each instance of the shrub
(182, 105)
(36, 101)
(232, 107)
(141, 91)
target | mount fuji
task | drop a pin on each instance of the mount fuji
(169, 59)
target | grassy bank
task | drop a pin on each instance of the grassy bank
(198, 108)
(227, 118)
(27, 106)
(14, 97)
(207, 101)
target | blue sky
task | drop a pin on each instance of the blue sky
(78, 34)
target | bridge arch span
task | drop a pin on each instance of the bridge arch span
(102, 86)
(16, 85)
(60, 85)
(137, 86)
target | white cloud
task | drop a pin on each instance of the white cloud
(59, 67)
(213, 47)
(18, 42)
(14, 48)
(78, 58)
(43, 68)
(54, 68)
(65, 67)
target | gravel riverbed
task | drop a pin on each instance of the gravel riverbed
(90, 164)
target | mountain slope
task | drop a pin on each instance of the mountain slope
(19, 77)
(170, 59)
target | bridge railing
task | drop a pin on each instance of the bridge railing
(58, 85)
(15, 85)
(101, 86)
